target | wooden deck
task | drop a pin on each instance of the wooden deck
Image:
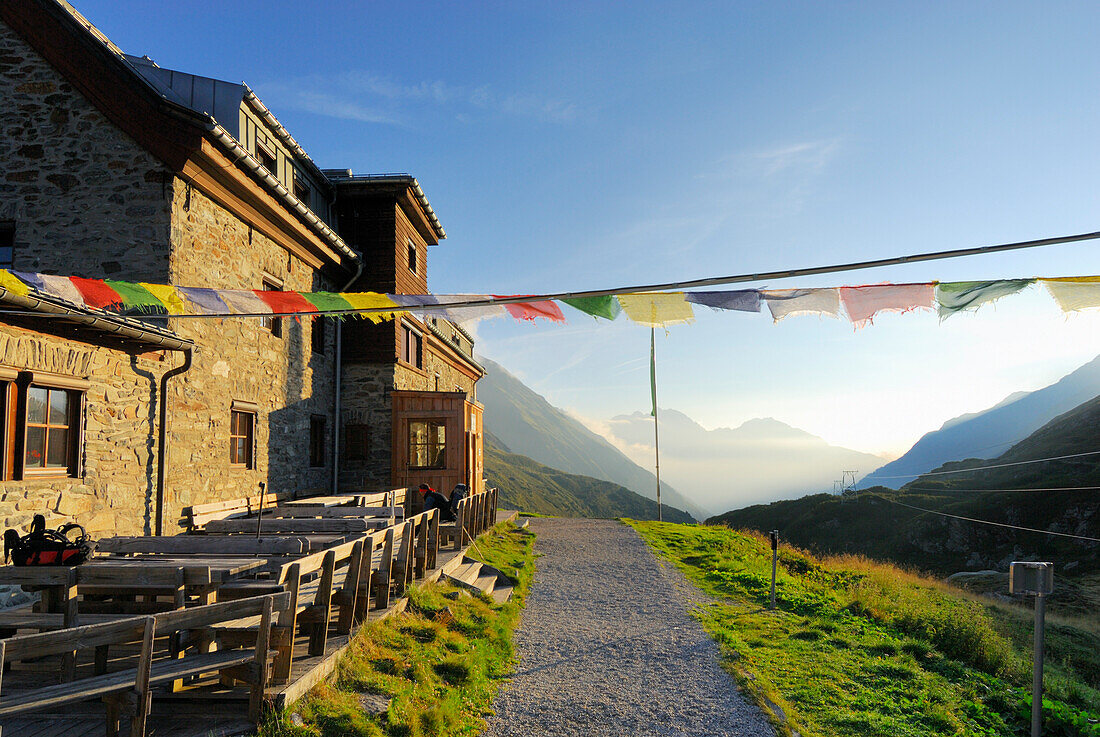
(206, 708)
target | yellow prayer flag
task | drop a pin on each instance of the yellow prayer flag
(1074, 293)
(657, 309)
(371, 300)
(12, 284)
(168, 297)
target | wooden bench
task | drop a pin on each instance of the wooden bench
(199, 515)
(128, 691)
(342, 525)
(203, 545)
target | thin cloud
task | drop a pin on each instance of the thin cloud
(373, 98)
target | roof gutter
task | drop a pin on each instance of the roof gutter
(118, 326)
(250, 162)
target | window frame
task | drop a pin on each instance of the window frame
(412, 255)
(15, 387)
(248, 413)
(266, 152)
(317, 455)
(440, 462)
(302, 191)
(273, 325)
(409, 332)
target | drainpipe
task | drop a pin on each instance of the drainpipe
(162, 444)
(336, 394)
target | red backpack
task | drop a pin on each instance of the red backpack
(42, 547)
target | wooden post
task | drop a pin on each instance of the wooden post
(175, 648)
(385, 569)
(141, 687)
(69, 602)
(432, 554)
(263, 644)
(362, 597)
(350, 594)
(318, 638)
(288, 620)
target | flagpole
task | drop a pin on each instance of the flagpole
(656, 435)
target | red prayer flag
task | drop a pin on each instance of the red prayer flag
(532, 310)
(96, 292)
(285, 301)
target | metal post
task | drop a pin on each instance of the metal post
(774, 534)
(260, 516)
(1037, 675)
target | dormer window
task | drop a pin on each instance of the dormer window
(265, 152)
(412, 256)
(301, 189)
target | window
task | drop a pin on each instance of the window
(7, 244)
(356, 442)
(274, 324)
(412, 347)
(427, 444)
(265, 152)
(316, 441)
(301, 190)
(41, 424)
(412, 257)
(242, 438)
(51, 430)
(317, 334)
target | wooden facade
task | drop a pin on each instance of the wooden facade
(462, 460)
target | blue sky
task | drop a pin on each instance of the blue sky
(604, 144)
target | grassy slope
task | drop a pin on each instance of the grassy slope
(866, 524)
(860, 648)
(441, 661)
(532, 487)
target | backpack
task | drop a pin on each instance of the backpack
(42, 547)
(460, 492)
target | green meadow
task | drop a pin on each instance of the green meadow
(857, 647)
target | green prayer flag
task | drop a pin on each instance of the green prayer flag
(653, 371)
(326, 301)
(136, 298)
(952, 297)
(606, 306)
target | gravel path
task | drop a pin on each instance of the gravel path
(606, 646)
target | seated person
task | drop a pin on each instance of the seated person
(434, 500)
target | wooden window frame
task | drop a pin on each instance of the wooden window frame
(266, 152)
(417, 361)
(242, 412)
(441, 453)
(412, 256)
(274, 325)
(15, 387)
(317, 455)
(302, 190)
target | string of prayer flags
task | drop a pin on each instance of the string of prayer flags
(863, 303)
(369, 301)
(657, 309)
(605, 306)
(1074, 294)
(205, 301)
(790, 302)
(167, 296)
(952, 297)
(244, 302)
(13, 284)
(742, 300)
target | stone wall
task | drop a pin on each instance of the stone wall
(365, 400)
(115, 490)
(85, 198)
(240, 359)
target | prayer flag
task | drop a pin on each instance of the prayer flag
(863, 303)
(168, 297)
(657, 309)
(11, 283)
(958, 296)
(55, 286)
(789, 302)
(456, 314)
(136, 298)
(96, 292)
(284, 301)
(532, 310)
(327, 301)
(206, 301)
(243, 302)
(744, 300)
(605, 306)
(1080, 293)
(371, 301)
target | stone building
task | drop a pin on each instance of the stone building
(114, 167)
